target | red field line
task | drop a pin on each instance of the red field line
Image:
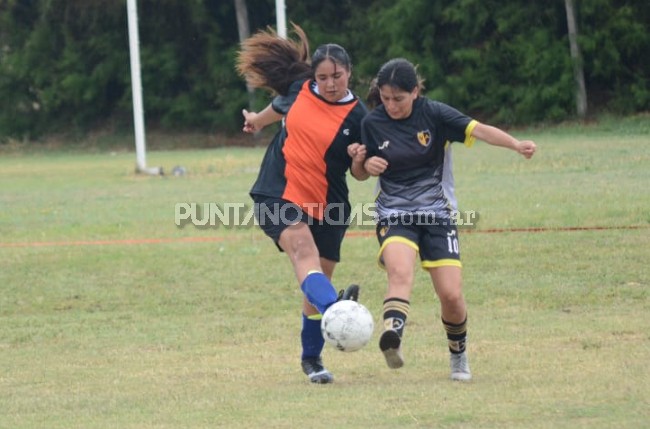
(553, 229)
(352, 233)
(114, 242)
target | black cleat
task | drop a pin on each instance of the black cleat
(314, 369)
(351, 293)
(390, 344)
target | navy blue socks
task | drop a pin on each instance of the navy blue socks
(311, 337)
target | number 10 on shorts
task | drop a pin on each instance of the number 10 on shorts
(452, 243)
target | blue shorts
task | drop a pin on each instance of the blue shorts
(437, 242)
(274, 215)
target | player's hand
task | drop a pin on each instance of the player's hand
(375, 165)
(249, 122)
(357, 152)
(527, 148)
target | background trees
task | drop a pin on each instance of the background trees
(64, 63)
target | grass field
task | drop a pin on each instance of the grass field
(111, 316)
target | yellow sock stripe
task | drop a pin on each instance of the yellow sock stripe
(315, 316)
(397, 305)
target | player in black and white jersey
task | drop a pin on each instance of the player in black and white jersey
(408, 142)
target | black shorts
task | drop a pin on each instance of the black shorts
(437, 242)
(274, 215)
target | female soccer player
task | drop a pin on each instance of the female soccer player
(407, 138)
(301, 194)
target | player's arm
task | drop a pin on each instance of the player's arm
(254, 121)
(357, 152)
(497, 137)
(375, 165)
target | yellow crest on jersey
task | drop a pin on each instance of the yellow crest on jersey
(424, 137)
(383, 231)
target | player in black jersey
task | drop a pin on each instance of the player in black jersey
(407, 138)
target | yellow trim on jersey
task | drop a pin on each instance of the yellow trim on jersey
(442, 263)
(469, 138)
(395, 239)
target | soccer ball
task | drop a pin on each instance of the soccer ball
(347, 325)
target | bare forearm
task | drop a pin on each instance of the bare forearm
(357, 152)
(268, 116)
(358, 171)
(497, 137)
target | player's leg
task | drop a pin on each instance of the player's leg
(397, 254)
(298, 243)
(441, 257)
(328, 241)
(312, 345)
(284, 223)
(287, 225)
(399, 259)
(311, 337)
(447, 282)
(448, 285)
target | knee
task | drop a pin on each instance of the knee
(452, 299)
(400, 276)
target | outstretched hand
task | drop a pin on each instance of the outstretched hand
(249, 122)
(527, 148)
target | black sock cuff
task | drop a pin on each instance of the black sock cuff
(454, 325)
(405, 301)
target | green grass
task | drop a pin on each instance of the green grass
(102, 326)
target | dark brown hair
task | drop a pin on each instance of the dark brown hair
(333, 52)
(268, 61)
(399, 73)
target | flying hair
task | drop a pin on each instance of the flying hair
(270, 62)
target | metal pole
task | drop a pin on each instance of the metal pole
(136, 89)
(281, 18)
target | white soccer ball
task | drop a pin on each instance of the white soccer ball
(347, 325)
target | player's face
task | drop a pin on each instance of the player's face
(397, 102)
(332, 80)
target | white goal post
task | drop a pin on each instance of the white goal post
(281, 18)
(136, 81)
(136, 89)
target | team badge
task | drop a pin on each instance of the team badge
(424, 137)
(383, 231)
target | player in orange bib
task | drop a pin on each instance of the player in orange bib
(301, 194)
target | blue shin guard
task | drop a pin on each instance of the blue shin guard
(319, 290)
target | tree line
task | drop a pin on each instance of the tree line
(64, 64)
